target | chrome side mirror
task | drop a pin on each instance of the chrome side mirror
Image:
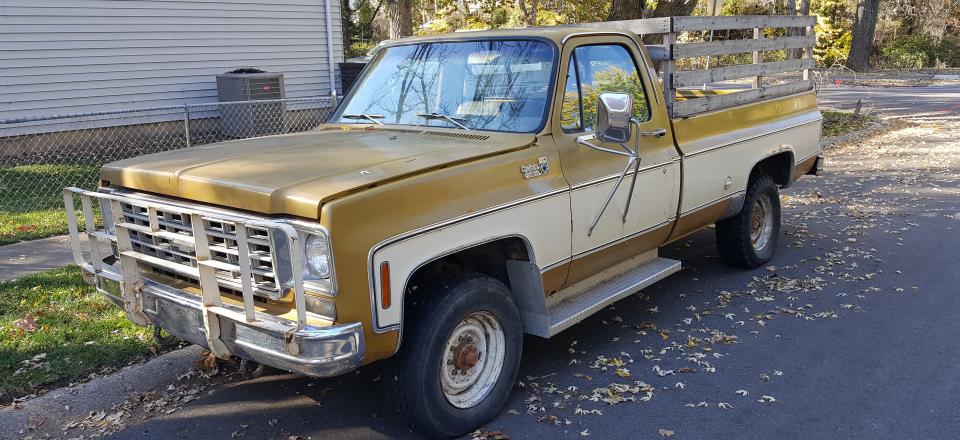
(614, 123)
(614, 113)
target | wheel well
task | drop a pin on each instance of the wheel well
(488, 258)
(779, 167)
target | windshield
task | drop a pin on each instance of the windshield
(500, 85)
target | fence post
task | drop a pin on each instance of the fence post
(186, 123)
(757, 57)
(669, 67)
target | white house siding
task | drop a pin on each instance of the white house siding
(76, 56)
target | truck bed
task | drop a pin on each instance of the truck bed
(719, 148)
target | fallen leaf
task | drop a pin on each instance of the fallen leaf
(665, 433)
(488, 435)
(207, 363)
(28, 323)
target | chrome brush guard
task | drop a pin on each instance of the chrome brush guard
(212, 248)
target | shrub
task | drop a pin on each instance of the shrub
(359, 49)
(911, 52)
(948, 52)
(919, 51)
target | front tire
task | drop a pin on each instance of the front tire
(747, 240)
(461, 352)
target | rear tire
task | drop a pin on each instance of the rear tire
(461, 350)
(748, 239)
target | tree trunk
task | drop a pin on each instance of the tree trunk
(791, 9)
(401, 21)
(673, 8)
(529, 13)
(804, 10)
(668, 8)
(626, 10)
(346, 23)
(864, 27)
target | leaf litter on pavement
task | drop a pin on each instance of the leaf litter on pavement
(188, 387)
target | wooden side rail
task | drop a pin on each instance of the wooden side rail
(671, 50)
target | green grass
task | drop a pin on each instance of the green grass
(31, 199)
(80, 331)
(836, 123)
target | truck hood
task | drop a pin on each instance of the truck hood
(296, 173)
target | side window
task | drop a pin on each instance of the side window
(570, 108)
(608, 68)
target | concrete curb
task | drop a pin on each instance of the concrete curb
(77, 401)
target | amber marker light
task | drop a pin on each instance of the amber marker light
(385, 284)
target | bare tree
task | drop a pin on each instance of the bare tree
(925, 16)
(401, 20)
(626, 9)
(864, 28)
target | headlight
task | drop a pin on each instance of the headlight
(317, 257)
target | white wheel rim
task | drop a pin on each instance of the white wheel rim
(761, 224)
(472, 359)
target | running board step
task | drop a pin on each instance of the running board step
(577, 308)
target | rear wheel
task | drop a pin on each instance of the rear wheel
(748, 239)
(459, 358)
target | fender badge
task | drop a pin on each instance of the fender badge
(538, 169)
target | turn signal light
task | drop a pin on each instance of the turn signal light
(385, 285)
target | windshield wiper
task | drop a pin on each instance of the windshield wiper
(372, 118)
(449, 119)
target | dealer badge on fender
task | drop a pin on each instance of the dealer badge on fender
(538, 169)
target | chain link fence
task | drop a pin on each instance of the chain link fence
(39, 156)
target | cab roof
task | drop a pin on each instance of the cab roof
(555, 33)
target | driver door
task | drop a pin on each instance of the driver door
(594, 65)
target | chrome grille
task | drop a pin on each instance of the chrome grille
(176, 244)
(220, 251)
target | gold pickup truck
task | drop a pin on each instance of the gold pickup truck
(469, 189)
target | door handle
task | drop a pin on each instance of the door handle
(660, 132)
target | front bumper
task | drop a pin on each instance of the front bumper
(206, 319)
(314, 351)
